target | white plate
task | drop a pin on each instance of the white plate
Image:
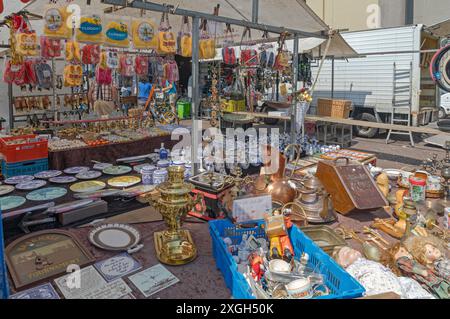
(19, 179)
(115, 237)
(88, 175)
(31, 185)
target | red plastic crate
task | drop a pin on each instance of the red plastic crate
(14, 153)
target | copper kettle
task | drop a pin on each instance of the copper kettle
(272, 179)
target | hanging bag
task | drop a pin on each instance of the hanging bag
(127, 65)
(50, 48)
(283, 56)
(249, 56)
(73, 53)
(228, 52)
(73, 75)
(26, 38)
(167, 40)
(185, 39)
(141, 65)
(207, 44)
(103, 76)
(44, 75)
(91, 54)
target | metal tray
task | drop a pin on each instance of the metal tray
(324, 237)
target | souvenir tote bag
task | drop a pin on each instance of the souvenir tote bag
(207, 44)
(26, 38)
(142, 65)
(127, 65)
(249, 56)
(55, 22)
(167, 40)
(283, 57)
(144, 34)
(228, 52)
(50, 47)
(185, 39)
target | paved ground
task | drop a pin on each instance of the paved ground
(398, 153)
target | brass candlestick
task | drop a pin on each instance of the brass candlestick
(175, 246)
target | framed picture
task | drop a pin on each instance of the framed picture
(42, 255)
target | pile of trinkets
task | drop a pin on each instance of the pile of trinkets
(270, 267)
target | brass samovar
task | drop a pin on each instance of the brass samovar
(175, 246)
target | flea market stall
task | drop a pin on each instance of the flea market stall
(143, 163)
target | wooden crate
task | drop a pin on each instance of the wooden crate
(334, 108)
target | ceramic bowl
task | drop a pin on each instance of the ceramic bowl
(279, 266)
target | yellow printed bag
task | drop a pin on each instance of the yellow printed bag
(55, 23)
(73, 75)
(91, 29)
(167, 40)
(144, 34)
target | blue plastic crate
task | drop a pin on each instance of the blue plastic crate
(24, 168)
(341, 283)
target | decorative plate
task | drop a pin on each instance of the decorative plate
(115, 237)
(63, 179)
(89, 186)
(117, 170)
(6, 189)
(10, 202)
(19, 179)
(31, 185)
(47, 174)
(48, 193)
(88, 175)
(76, 170)
(392, 173)
(137, 168)
(102, 166)
(124, 181)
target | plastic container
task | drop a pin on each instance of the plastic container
(341, 283)
(15, 153)
(24, 168)
(417, 188)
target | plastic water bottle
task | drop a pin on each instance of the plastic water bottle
(163, 154)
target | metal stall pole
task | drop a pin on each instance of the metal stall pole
(255, 11)
(332, 77)
(54, 97)
(10, 107)
(195, 94)
(294, 89)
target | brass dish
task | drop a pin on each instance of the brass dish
(324, 237)
(124, 181)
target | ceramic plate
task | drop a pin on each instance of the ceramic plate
(63, 179)
(117, 170)
(124, 181)
(88, 175)
(138, 168)
(90, 186)
(31, 185)
(19, 179)
(48, 193)
(114, 237)
(102, 166)
(76, 170)
(47, 174)
(6, 189)
(10, 202)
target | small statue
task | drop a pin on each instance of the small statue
(402, 262)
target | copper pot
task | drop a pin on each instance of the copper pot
(275, 184)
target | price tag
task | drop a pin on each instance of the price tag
(3, 275)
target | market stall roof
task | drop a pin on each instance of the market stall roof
(339, 48)
(289, 14)
(441, 29)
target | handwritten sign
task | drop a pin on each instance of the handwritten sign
(251, 208)
(3, 275)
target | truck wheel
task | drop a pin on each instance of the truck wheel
(442, 114)
(367, 132)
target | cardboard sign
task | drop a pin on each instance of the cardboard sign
(251, 208)
(3, 274)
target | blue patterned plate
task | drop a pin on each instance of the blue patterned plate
(19, 179)
(48, 193)
(76, 170)
(10, 202)
(63, 179)
(47, 174)
(117, 170)
(31, 185)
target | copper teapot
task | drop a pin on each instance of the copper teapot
(272, 179)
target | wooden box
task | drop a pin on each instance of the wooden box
(350, 185)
